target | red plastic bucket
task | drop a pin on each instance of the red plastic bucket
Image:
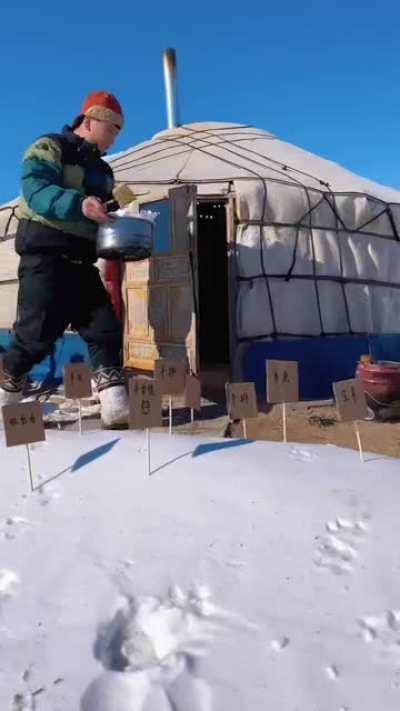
(381, 382)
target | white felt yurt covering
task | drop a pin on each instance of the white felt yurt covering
(318, 250)
(8, 265)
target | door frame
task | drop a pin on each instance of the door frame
(231, 248)
(232, 280)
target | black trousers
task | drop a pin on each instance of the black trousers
(53, 294)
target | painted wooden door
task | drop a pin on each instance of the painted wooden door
(160, 293)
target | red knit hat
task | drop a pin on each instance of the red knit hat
(103, 106)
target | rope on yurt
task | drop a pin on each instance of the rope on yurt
(361, 228)
(263, 212)
(144, 163)
(288, 334)
(310, 226)
(314, 266)
(298, 226)
(3, 238)
(150, 146)
(343, 285)
(328, 277)
(154, 156)
(193, 145)
(392, 222)
(310, 208)
(195, 134)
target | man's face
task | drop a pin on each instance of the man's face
(102, 133)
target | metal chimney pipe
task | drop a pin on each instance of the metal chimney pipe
(169, 62)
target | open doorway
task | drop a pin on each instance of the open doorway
(213, 286)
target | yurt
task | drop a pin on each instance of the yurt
(262, 250)
(292, 255)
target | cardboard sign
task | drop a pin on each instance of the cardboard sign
(350, 399)
(144, 404)
(282, 381)
(77, 381)
(23, 423)
(192, 397)
(241, 401)
(170, 376)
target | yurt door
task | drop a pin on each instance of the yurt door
(160, 292)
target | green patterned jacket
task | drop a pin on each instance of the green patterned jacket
(58, 172)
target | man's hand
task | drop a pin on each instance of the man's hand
(94, 210)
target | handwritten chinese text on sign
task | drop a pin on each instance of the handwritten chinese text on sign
(23, 423)
(144, 403)
(77, 381)
(282, 381)
(241, 400)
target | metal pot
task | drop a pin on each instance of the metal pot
(127, 238)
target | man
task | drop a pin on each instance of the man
(65, 185)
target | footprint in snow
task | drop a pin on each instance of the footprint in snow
(338, 550)
(235, 563)
(13, 524)
(302, 455)
(332, 672)
(8, 583)
(23, 702)
(278, 644)
(47, 495)
(149, 650)
(383, 631)
(396, 680)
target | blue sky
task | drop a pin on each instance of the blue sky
(324, 76)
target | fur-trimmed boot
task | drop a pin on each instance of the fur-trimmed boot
(113, 397)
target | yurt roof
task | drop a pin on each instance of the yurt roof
(213, 155)
(218, 153)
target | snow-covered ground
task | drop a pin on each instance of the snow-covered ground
(238, 576)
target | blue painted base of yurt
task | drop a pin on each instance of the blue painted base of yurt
(321, 360)
(68, 349)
